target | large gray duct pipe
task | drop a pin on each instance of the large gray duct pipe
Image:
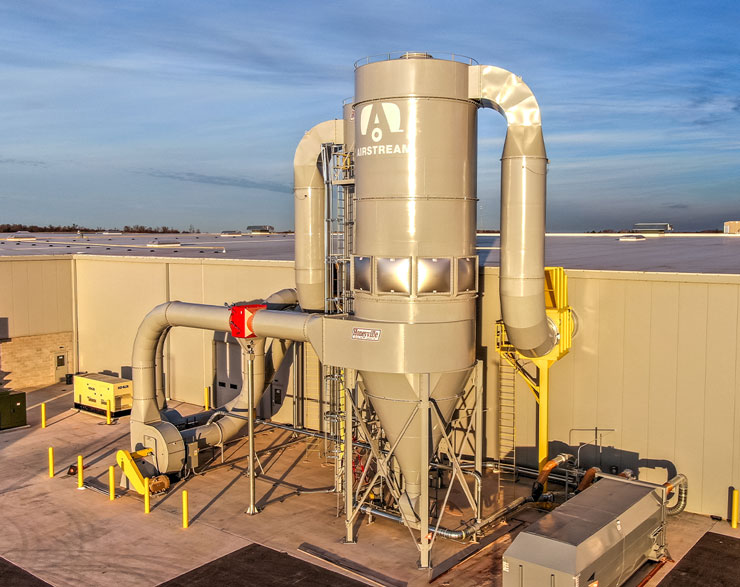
(148, 429)
(309, 192)
(523, 190)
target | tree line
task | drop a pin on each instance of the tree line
(77, 228)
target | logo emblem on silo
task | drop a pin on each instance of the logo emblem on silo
(379, 118)
(381, 123)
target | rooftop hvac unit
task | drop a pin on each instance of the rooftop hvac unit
(597, 539)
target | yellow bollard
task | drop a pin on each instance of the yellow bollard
(51, 462)
(107, 413)
(735, 504)
(43, 415)
(206, 398)
(79, 472)
(146, 495)
(185, 516)
(112, 482)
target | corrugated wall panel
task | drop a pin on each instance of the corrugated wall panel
(636, 367)
(662, 351)
(690, 379)
(736, 425)
(19, 322)
(720, 398)
(610, 358)
(585, 297)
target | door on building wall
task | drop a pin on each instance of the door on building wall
(61, 365)
(228, 380)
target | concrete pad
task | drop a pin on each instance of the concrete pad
(69, 537)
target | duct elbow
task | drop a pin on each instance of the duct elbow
(539, 485)
(308, 187)
(523, 196)
(681, 483)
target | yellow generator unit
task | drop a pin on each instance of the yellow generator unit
(94, 391)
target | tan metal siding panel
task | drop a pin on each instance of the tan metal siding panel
(585, 300)
(190, 351)
(186, 282)
(113, 298)
(690, 379)
(19, 323)
(662, 386)
(719, 405)
(636, 371)
(64, 302)
(736, 426)
(610, 358)
(6, 298)
(49, 291)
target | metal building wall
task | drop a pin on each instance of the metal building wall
(655, 358)
(36, 319)
(115, 293)
(35, 295)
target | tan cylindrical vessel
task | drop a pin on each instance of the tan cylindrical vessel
(415, 133)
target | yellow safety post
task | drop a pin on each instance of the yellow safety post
(735, 507)
(185, 517)
(206, 398)
(51, 462)
(146, 495)
(79, 472)
(43, 415)
(112, 482)
(107, 413)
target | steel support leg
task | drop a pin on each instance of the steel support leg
(425, 416)
(252, 509)
(479, 417)
(348, 473)
(543, 433)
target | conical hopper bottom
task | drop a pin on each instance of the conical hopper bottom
(394, 398)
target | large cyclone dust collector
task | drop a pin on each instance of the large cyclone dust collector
(415, 263)
(411, 133)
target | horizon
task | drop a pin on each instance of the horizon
(176, 115)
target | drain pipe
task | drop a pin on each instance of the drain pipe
(309, 192)
(523, 188)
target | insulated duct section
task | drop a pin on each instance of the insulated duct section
(523, 189)
(310, 195)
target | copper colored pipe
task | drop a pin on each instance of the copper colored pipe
(588, 478)
(539, 485)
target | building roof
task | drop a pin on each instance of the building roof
(675, 253)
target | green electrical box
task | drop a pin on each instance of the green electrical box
(12, 409)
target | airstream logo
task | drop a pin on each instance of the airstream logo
(372, 334)
(381, 120)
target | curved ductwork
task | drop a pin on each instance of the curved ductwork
(152, 427)
(523, 189)
(539, 485)
(145, 408)
(309, 193)
(681, 483)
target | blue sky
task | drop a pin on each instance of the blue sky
(179, 113)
